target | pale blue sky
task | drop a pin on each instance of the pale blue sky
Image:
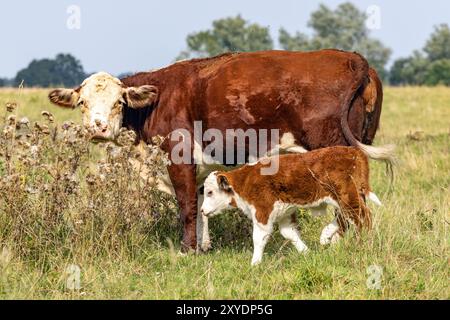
(137, 35)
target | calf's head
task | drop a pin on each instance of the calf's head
(102, 99)
(218, 194)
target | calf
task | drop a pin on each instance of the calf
(336, 176)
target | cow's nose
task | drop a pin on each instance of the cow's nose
(103, 127)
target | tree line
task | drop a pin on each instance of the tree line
(343, 28)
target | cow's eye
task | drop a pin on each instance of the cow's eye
(81, 103)
(210, 193)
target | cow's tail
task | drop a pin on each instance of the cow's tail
(383, 153)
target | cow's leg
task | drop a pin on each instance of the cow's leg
(261, 234)
(184, 183)
(203, 239)
(288, 229)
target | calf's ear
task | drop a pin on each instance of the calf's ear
(141, 97)
(67, 98)
(223, 183)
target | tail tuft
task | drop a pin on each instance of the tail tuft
(373, 197)
(384, 153)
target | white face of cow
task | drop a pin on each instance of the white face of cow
(218, 195)
(102, 99)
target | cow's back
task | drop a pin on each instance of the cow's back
(297, 92)
(301, 93)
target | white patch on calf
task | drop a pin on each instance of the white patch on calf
(215, 199)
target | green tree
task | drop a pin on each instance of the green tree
(438, 73)
(428, 68)
(297, 42)
(227, 35)
(343, 28)
(409, 71)
(64, 70)
(438, 46)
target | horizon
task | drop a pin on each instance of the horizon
(102, 44)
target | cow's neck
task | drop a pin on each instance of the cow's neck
(137, 119)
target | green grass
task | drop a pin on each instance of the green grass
(409, 241)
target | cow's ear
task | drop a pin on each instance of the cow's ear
(223, 183)
(141, 97)
(67, 98)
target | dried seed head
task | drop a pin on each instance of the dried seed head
(24, 121)
(158, 140)
(8, 132)
(48, 116)
(34, 150)
(126, 137)
(12, 120)
(42, 128)
(67, 125)
(11, 106)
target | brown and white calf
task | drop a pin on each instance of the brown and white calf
(336, 176)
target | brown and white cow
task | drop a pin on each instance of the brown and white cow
(336, 176)
(315, 100)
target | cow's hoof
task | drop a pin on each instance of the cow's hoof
(185, 251)
(205, 247)
(182, 254)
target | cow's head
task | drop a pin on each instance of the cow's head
(219, 194)
(101, 99)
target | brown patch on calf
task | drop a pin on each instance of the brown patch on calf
(341, 173)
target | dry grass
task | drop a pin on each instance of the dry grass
(65, 201)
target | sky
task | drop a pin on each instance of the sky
(136, 35)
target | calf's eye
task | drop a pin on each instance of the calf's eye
(210, 193)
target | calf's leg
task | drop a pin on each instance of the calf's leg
(203, 239)
(330, 233)
(261, 234)
(288, 230)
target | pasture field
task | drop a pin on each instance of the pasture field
(126, 248)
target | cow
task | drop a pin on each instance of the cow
(336, 176)
(314, 99)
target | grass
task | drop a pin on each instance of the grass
(126, 260)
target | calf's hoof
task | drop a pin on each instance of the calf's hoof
(256, 262)
(326, 240)
(335, 238)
